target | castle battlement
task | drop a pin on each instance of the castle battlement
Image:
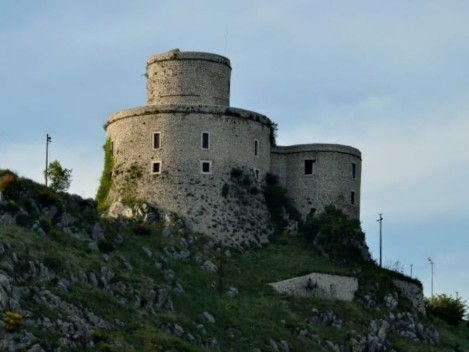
(179, 151)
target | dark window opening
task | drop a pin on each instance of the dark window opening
(257, 174)
(205, 140)
(354, 170)
(156, 140)
(309, 166)
(352, 198)
(256, 148)
(156, 167)
(206, 167)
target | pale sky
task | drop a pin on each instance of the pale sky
(387, 77)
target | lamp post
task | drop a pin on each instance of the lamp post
(431, 263)
(380, 220)
(48, 140)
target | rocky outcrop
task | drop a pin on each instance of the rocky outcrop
(327, 286)
(413, 292)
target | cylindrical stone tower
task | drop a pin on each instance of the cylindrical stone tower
(316, 175)
(178, 152)
(188, 78)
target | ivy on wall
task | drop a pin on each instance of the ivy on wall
(106, 178)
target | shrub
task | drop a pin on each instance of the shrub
(8, 183)
(271, 179)
(54, 263)
(12, 321)
(246, 181)
(278, 203)
(23, 219)
(452, 310)
(141, 230)
(254, 190)
(336, 235)
(236, 172)
(225, 190)
(105, 246)
(46, 225)
(46, 197)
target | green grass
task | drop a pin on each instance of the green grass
(255, 316)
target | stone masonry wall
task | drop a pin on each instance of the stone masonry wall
(331, 181)
(239, 218)
(413, 293)
(188, 78)
(327, 286)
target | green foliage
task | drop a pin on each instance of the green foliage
(46, 225)
(54, 263)
(106, 246)
(246, 181)
(236, 172)
(452, 310)
(12, 321)
(225, 189)
(8, 183)
(47, 197)
(141, 230)
(106, 178)
(59, 177)
(23, 219)
(273, 133)
(336, 235)
(254, 190)
(279, 204)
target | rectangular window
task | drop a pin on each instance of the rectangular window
(156, 167)
(256, 147)
(205, 140)
(257, 175)
(156, 140)
(354, 170)
(352, 198)
(205, 167)
(309, 166)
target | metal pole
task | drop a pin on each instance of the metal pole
(431, 263)
(380, 220)
(48, 140)
(411, 265)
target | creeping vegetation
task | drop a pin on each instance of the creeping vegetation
(106, 178)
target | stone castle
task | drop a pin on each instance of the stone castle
(179, 151)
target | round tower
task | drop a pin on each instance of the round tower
(316, 175)
(179, 151)
(188, 78)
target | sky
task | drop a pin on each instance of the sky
(387, 77)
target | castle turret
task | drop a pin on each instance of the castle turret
(188, 78)
(178, 152)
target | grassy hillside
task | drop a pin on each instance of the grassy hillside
(81, 283)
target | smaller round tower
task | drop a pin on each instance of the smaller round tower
(188, 78)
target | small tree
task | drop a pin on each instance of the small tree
(60, 178)
(452, 310)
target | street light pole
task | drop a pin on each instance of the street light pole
(48, 140)
(380, 220)
(411, 266)
(431, 263)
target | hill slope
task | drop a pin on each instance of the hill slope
(78, 282)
